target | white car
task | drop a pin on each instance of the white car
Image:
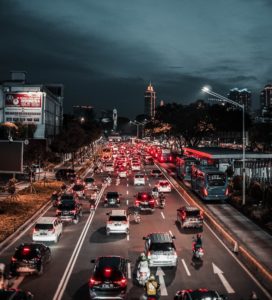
(164, 186)
(122, 173)
(118, 222)
(47, 229)
(136, 167)
(139, 179)
(109, 168)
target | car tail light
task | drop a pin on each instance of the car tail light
(122, 282)
(107, 272)
(152, 201)
(161, 159)
(13, 259)
(35, 230)
(93, 282)
(148, 254)
(26, 250)
(227, 191)
(58, 212)
(183, 215)
(205, 192)
(137, 202)
(170, 158)
(203, 290)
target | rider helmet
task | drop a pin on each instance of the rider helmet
(143, 257)
(152, 277)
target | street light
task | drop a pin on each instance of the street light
(138, 124)
(242, 106)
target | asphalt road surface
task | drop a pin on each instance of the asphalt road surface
(66, 277)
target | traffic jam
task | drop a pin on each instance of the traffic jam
(124, 231)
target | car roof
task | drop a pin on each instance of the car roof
(46, 220)
(115, 193)
(190, 208)
(106, 261)
(160, 237)
(118, 212)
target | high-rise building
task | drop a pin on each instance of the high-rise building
(242, 96)
(266, 99)
(150, 102)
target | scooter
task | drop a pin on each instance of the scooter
(198, 252)
(143, 272)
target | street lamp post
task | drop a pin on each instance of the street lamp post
(138, 124)
(242, 106)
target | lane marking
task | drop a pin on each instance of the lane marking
(127, 192)
(149, 184)
(127, 201)
(161, 275)
(162, 215)
(127, 237)
(127, 184)
(170, 232)
(185, 267)
(224, 281)
(129, 270)
(68, 271)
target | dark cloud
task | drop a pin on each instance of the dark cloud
(106, 52)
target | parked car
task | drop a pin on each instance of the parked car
(47, 229)
(109, 279)
(118, 222)
(190, 216)
(160, 250)
(30, 258)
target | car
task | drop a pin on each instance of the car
(47, 229)
(89, 182)
(145, 201)
(30, 258)
(160, 250)
(70, 211)
(164, 186)
(190, 217)
(199, 294)
(136, 166)
(122, 172)
(148, 160)
(118, 222)
(112, 198)
(139, 179)
(79, 190)
(156, 173)
(67, 197)
(15, 294)
(109, 278)
(109, 167)
(64, 174)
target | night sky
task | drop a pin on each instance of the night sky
(105, 52)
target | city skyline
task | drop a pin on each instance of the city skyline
(105, 54)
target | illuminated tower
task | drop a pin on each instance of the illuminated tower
(150, 102)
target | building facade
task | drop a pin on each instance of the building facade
(242, 96)
(150, 102)
(38, 104)
(266, 103)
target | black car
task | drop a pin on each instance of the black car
(65, 174)
(15, 294)
(156, 173)
(109, 278)
(30, 258)
(69, 210)
(199, 294)
(145, 201)
(112, 198)
(148, 160)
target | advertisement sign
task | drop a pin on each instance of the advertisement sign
(25, 107)
(11, 157)
(30, 99)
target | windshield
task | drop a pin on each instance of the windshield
(162, 247)
(44, 226)
(67, 205)
(216, 179)
(117, 218)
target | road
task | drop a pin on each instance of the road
(66, 277)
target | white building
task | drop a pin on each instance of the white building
(39, 104)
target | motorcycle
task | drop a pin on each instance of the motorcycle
(198, 251)
(143, 272)
(137, 217)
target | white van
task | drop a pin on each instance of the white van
(139, 179)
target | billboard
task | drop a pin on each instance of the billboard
(11, 157)
(25, 107)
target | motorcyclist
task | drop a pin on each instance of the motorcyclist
(137, 217)
(152, 287)
(155, 192)
(162, 199)
(197, 242)
(143, 271)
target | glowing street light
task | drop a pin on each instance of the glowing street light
(207, 90)
(138, 124)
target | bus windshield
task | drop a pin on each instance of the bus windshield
(216, 179)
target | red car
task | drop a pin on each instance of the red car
(145, 201)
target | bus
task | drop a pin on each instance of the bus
(184, 167)
(209, 183)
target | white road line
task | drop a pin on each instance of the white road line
(162, 214)
(129, 270)
(170, 232)
(185, 267)
(149, 184)
(127, 201)
(157, 202)
(127, 237)
(127, 192)
(17, 282)
(127, 184)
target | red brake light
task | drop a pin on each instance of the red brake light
(13, 259)
(93, 282)
(35, 230)
(107, 272)
(26, 250)
(205, 192)
(152, 201)
(227, 191)
(144, 196)
(122, 282)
